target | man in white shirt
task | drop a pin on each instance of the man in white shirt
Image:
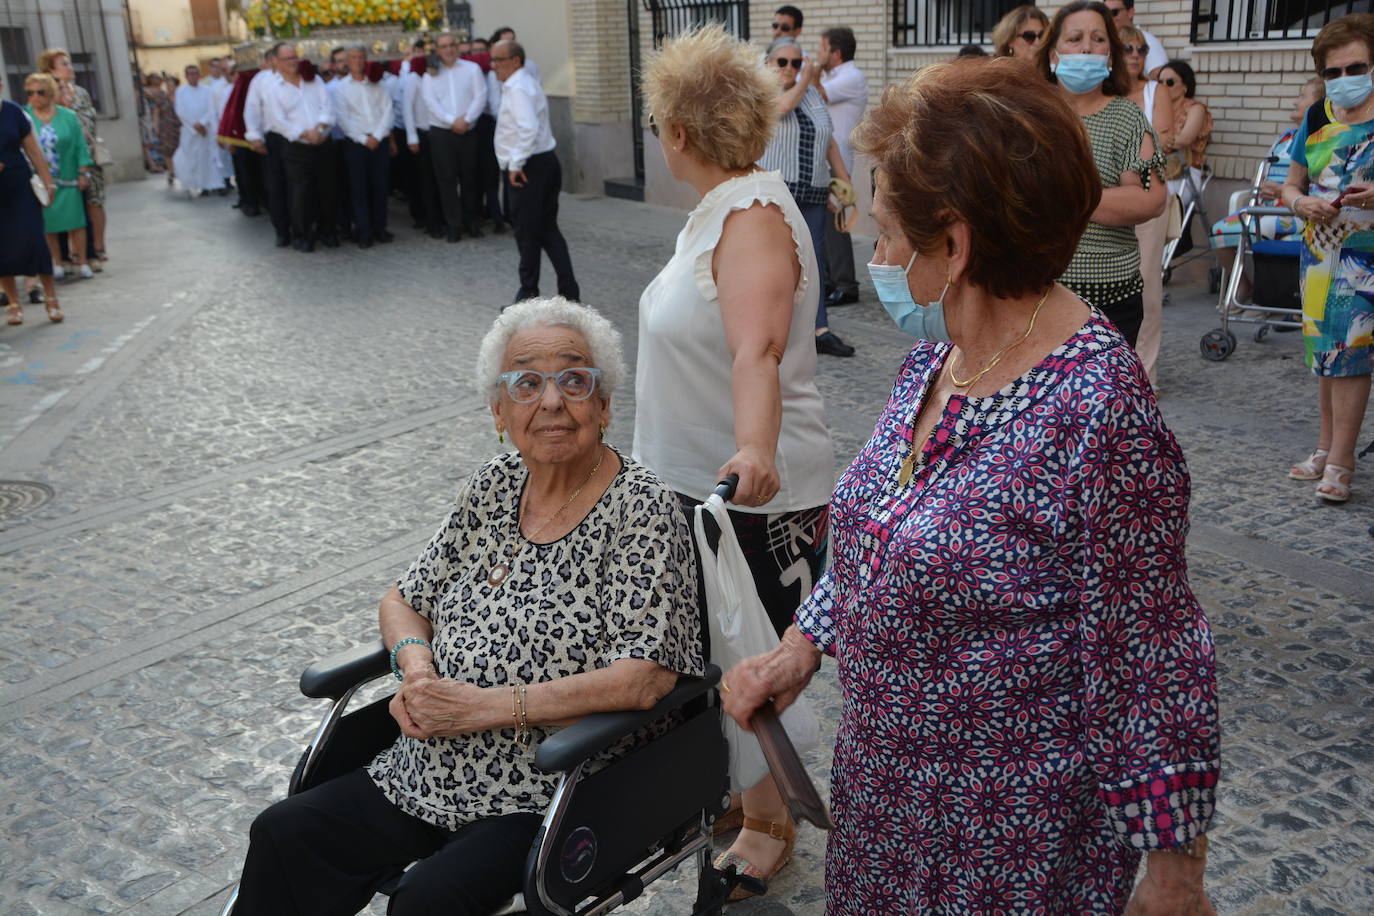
(196, 162)
(1123, 14)
(506, 33)
(424, 209)
(363, 113)
(268, 145)
(455, 97)
(842, 85)
(524, 150)
(297, 110)
(334, 72)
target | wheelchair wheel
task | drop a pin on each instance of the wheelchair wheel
(1217, 344)
(1261, 332)
(1213, 280)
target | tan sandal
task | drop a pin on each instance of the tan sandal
(731, 820)
(1310, 468)
(16, 313)
(787, 832)
(1335, 485)
(54, 311)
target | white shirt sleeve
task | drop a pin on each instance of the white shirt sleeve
(1157, 57)
(350, 120)
(846, 85)
(323, 106)
(381, 115)
(521, 121)
(252, 111)
(440, 111)
(477, 86)
(411, 87)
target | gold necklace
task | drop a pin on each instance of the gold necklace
(501, 570)
(908, 466)
(997, 357)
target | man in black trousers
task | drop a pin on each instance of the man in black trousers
(525, 151)
(298, 116)
(455, 96)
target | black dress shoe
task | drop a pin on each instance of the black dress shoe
(250, 211)
(841, 297)
(385, 237)
(284, 241)
(830, 344)
(305, 246)
(435, 233)
(452, 237)
(475, 232)
(35, 296)
(330, 241)
(498, 227)
(365, 243)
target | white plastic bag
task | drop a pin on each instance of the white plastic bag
(740, 628)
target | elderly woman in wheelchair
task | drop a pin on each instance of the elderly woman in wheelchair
(560, 585)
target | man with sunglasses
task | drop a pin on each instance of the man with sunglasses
(1123, 14)
(787, 23)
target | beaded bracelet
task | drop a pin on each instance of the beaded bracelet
(408, 641)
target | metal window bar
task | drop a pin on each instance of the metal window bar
(937, 23)
(1267, 20)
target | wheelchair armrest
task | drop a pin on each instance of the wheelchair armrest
(334, 676)
(1259, 210)
(596, 732)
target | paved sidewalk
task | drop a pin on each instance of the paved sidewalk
(246, 445)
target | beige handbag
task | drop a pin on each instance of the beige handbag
(1175, 210)
(100, 153)
(848, 201)
(40, 190)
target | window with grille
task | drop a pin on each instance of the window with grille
(933, 23)
(1267, 20)
(673, 16)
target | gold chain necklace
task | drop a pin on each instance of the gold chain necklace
(501, 570)
(997, 357)
(909, 462)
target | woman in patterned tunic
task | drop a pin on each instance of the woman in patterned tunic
(59, 136)
(560, 585)
(1082, 54)
(1027, 681)
(58, 63)
(1333, 156)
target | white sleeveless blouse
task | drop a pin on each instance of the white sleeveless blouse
(684, 408)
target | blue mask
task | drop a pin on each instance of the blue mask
(1349, 91)
(924, 321)
(1080, 73)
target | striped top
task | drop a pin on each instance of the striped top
(1107, 261)
(798, 150)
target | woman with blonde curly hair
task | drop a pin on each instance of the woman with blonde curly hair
(725, 382)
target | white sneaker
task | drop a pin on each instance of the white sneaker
(86, 272)
(59, 272)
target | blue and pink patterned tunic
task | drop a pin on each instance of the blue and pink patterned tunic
(1028, 682)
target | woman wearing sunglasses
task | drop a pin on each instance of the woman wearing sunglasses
(64, 146)
(1082, 56)
(1158, 108)
(1192, 127)
(560, 585)
(804, 150)
(1330, 184)
(1019, 32)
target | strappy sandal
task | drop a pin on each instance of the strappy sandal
(731, 820)
(1335, 485)
(16, 313)
(1310, 468)
(786, 832)
(54, 311)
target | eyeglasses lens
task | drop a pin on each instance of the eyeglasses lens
(528, 386)
(781, 27)
(653, 126)
(785, 62)
(1359, 69)
(1031, 37)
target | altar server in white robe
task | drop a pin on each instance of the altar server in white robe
(197, 158)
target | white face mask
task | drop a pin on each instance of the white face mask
(926, 322)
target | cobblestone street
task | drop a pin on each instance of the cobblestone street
(246, 445)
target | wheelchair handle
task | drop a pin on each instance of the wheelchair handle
(725, 488)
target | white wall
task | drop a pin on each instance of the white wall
(541, 27)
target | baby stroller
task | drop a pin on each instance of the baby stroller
(1272, 266)
(1187, 202)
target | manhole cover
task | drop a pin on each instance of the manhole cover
(18, 497)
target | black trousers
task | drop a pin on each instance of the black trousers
(278, 185)
(312, 179)
(489, 170)
(455, 172)
(425, 209)
(326, 851)
(369, 179)
(534, 213)
(343, 190)
(249, 175)
(403, 172)
(1127, 315)
(839, 257)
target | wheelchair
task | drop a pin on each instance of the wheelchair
(593, 852)
(1273, 268)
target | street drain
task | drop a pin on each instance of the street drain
(18, 497)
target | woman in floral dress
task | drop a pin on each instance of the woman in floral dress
(1333, 158)
(1027, 681)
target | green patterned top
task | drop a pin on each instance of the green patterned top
(1106, 267)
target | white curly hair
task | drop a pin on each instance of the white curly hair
(602, 339)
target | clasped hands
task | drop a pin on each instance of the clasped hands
(428, 706)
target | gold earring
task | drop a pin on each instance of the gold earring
(603, 434)
(501, 434)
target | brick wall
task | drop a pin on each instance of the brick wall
(602, 72)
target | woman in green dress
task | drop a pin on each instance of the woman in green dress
(64, 146)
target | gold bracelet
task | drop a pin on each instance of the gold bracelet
(522, 734)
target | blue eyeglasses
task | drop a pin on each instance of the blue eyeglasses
(525, 386)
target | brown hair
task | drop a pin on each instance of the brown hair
(48, 59)
(1118, 81)
(1004, 33)
(1008, 159)
(1355, 27)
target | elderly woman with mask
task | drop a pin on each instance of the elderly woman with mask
(1028, 694)
(498, 644)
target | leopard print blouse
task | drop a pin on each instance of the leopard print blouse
(621, 584)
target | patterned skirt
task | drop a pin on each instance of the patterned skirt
(1338, 296)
